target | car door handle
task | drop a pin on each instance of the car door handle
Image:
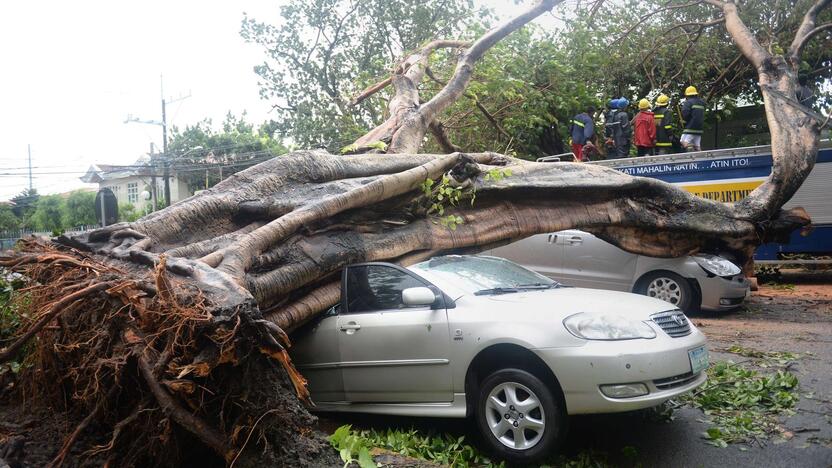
(576, 240)
(553, 238)
(350, 328)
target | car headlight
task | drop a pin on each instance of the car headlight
(607, 327)
(716, 265)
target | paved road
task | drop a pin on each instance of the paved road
(774, 320)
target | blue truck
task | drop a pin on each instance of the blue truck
(728, 175)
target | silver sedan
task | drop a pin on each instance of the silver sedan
(578, 258)
(482, 337)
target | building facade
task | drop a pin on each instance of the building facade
(128, 182)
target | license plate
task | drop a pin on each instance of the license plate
(698, 359)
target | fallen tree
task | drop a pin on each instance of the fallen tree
(172, 330)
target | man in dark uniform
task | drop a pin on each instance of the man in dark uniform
(664, 125)
(693, 113)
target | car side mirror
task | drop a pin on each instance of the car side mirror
(420, 296)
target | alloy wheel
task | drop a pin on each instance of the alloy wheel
(515, 415)
(665, 289)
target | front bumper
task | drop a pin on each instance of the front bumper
(661, 364)
(723, 294)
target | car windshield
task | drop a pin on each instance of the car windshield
(483, 275)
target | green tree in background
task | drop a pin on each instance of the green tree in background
(127, 212)
(8, 220)
(207, 154)
(80, 209)
(323, 52)
(24, 205)
(49, 213)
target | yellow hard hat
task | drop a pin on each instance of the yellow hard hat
(662, 100)
(644, 104)
(691, 91)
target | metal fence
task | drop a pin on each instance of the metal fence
(9, 238)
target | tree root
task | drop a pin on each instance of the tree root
(67, 445)
(195, 425)
(58, 307)
(167, 337)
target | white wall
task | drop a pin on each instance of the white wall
(125, 187)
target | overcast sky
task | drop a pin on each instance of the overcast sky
(73, 71)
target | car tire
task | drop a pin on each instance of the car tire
(531, 430)
(669, 287)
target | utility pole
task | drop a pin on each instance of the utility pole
(31, 186)
(153, 176)
(164, 124)
(166, 160)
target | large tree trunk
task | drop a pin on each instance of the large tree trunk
(185, 310)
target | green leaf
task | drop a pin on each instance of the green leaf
(339, 436)
(365, 460)
(346, 456)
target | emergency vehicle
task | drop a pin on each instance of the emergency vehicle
(728, 175)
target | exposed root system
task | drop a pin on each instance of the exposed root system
(147, 358)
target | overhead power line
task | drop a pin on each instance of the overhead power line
(264, 156)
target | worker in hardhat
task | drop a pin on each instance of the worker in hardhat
(693, 113)
(644, 129)
(618, 130)
(664, 125)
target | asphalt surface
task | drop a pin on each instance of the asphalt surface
(797, 320)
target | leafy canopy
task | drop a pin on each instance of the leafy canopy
(49, 213)
(202, 154)
(80, 209)
(8, 220)
(321, 53)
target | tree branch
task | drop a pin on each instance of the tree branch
(462, 75)
(413, 58)
(646, 16)
(724, 74)
(745, 41)
(488, 115)
(370, 90)
(445, 143)
(797, 49)
(807, 29)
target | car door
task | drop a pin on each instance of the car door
(590, 262)
(315, 354)
(541, 253)
(391, 353)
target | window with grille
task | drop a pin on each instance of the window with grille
(133, 192)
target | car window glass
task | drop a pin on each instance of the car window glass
(471, 273)
(377, 287)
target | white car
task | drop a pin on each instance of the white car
(482, 337)
(577, 258)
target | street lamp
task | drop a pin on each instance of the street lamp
(145, 196)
